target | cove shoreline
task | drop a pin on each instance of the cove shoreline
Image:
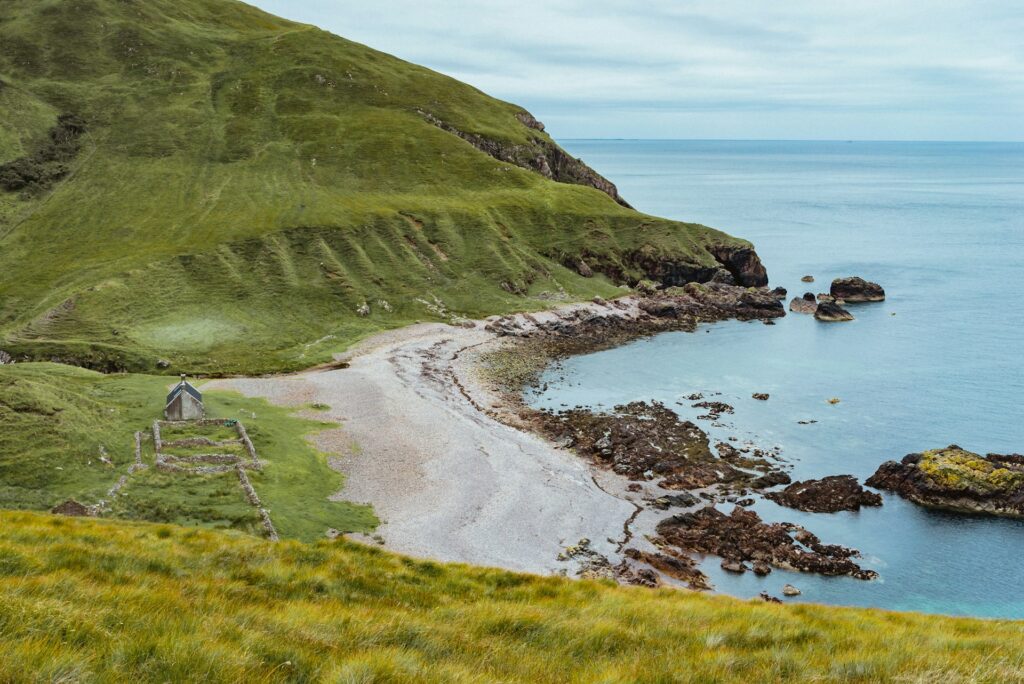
(436, 436)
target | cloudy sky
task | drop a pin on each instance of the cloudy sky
(782, 69)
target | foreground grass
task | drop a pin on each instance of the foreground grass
(57, 421)
(85, 600)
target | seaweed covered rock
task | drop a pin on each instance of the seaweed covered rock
(827, 495)
(856, 289)
(743, 537)
(645, 441)
(956, 479)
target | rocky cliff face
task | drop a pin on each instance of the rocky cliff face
(540, 156)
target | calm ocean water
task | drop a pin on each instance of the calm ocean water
(941, 227)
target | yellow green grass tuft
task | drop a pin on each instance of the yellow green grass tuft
(87, 600)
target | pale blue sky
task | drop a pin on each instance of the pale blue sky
(788, 69)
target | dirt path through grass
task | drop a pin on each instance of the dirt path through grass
(448, 481)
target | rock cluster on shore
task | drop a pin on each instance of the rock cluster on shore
(827, 495)
(674, 308)
(956, 479)
(742, 537)
(647, 440)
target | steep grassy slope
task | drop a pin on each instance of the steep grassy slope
(96, 601)
(244, 184)
(56, 422)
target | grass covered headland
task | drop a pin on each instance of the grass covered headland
(84, 600)
(199, 182)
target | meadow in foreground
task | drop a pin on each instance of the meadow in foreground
(89, 600)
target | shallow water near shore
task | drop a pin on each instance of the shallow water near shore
(941, 227)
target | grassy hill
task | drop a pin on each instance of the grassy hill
(200, 182)
(95, 601)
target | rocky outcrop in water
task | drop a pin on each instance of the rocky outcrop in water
(956, 479)
(856, 289)
(807, 304)
(827, 495)
(648, 441)
(830, 312)
(743, 537)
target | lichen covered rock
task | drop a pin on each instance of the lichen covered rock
(956, 479)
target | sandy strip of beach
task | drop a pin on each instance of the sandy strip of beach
(448, 481)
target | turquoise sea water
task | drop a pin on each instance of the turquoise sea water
(941, 227)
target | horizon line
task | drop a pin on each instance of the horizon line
(833, 140)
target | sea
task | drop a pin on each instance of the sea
(941, 227)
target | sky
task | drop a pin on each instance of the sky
(716, 69)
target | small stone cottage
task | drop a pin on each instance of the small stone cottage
(184, 402)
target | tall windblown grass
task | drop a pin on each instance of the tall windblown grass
(86, 600)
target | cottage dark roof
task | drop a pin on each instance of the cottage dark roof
(184, 386)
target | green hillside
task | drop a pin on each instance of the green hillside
(95, 601)
(200, 182)
(67, 433)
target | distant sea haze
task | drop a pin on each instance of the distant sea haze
(941, 227)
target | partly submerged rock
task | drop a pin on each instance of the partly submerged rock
(827, 495)
(733, 566)
(790, 590)
(830, 312)
(742, 536)
(956, 479)
(760, 396)
(807, 279)
(856, 289)
(807, 304)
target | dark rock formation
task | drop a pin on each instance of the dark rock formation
(772, 479)
(539, 155)
(73, 509)
(677, 566)
(760, 396)
(645, 441)
(830, 312)
(682, 500)
(856, 290)
(827, 495)
(805, 305)
(956, 479)
(49, 163)
(744, 537)
(715, 409)
(807, 279)
(743, 263)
